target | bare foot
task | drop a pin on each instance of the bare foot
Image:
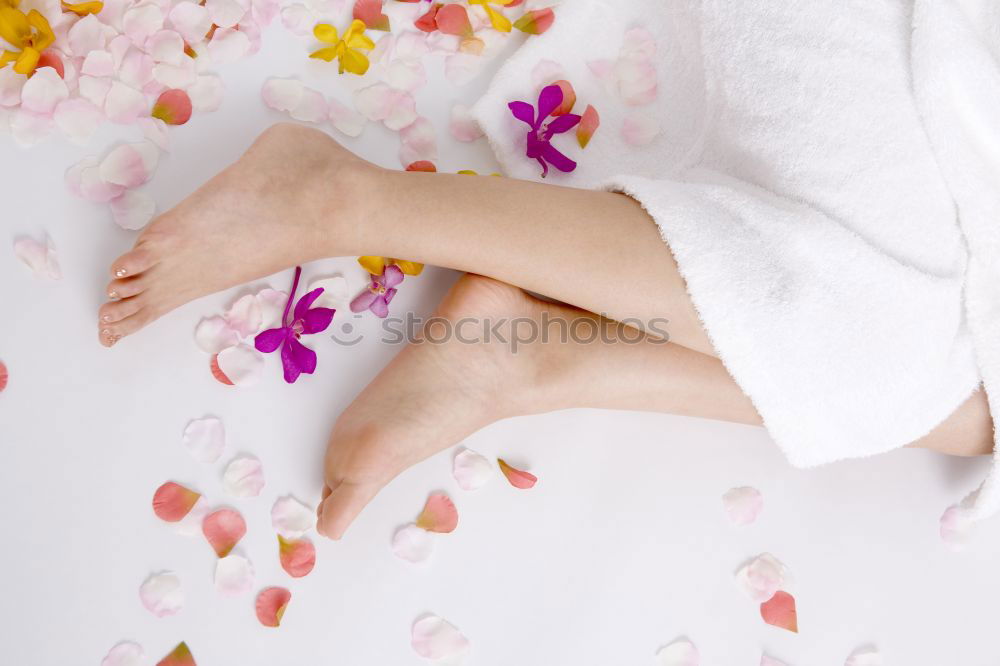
(259, 216)
(431, 396)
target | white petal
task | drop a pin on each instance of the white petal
(166, 46)
(402, 111)
(191, 20)
(335, 294)
(272, 306)
(242, 364)
(435, 638)
(136, 69)
(228, 45)
(282, 94)
(471, 470)
(636, 80)
(88, 34)
(957, 527)
(418, 142)
(409, 45)
(311, 107)
(206, 93)
(406, 75)
(39, 257)
(234, 575)
(770, 661)
(462, 68)
(78, 119)
(413, 544)
(546, 72)
(130, 164)
(161, 594)
(133, 210)
(225, 13)
(374, 101)
(28, 128)
(98, 63)
(84, 180)
(141, 21)
(156, 132)
(124, 104)
(291, 518)
(11, 84)
(205, 439)
(462, 125)
(638, 43)
(244, 477)
(244, 316)
(679, 653)
(125, 654)
(43, 91)
(868, 656)
(93, 88)
(345, 119)
(181, 76)
(190, 525)
(742, 505)
(298, 19)
(639, 129)
(762, 577)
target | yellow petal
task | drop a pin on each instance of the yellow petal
(410, 267)
(499, 21)
(357, 27)
(7, 57)
(83, 8)
(27, 61)
(374, 265)
(354, 62)
(325, 32)
(360, 42)
(45, 35)
(328, 54)
(14, 27)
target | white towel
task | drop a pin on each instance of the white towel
(814, 221)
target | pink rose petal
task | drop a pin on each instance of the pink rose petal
(546, 72)
(28, 128)
(282, 94)
(299, 19)
(179, 656)
(88, 34)
(156, 132)
(190, 524)
(84, 180)
(297, 556)
(463, 126)
(206, 93)
(3, 376)
(223, 529)
(271, 605)
(132, 210)
(462, 68)
(98, 63)
(11, 84)
(130, 164)
(272, 305)
(345, 119)
(471, 470)
(213, 334)
(78, 119)
(639, 129)
(180, 76)
(867, 656)
(125, 653)
(742, 505)
(413, 544)
(408, 75)
(141, 21)
(39, 257)
(770, 661)
(762, 577)
(517, 478)
(172, 502)
(957, 527)
(93, 88)
(419, 142)
(166, 46)
(243, 477)
(225, 13)
(242, 364)
(681, 652)
(162, 595)
(779, 611)
(234, 575)
(311, 107)
(244, 316)
(124, 104)
(336, 292)
(636, 81)
(433, 637)
(396, 109)
(590, 120)
(191, 20)
(136, 69)
(205, 439)
(43, 91)
(439, 514)
(228, 45)
(291, 518)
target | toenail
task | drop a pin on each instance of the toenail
(105, 332)
(112, 294)
(113, 339)
(106, 318)
(121, 272)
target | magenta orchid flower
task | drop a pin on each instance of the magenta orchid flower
(296, 358)
(379, 293)
(540, 133)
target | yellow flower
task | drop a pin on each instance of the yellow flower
(499, 21)
(30, 33)
(375, 265)
(83, 8)
(347, 50)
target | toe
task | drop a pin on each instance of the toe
(342, 506)
(115, 311)
(126, 288)
(132, 263)
(111, 333)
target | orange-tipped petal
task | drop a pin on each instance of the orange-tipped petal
(454, 20)
(779, 611)
(569, 98)
(179, 656)
(223, 529)
(173, 107)
(518, 478)
(271, 604)
(422, 165)
(428, 22)
(3, 376)
(374, 265)
(172, 501)
(370, 11)
(50, 59)
(589, 122)
(298, 556)
(218, 373)
(536, 21)
(439, 514)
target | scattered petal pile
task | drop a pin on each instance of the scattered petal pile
(234, 362)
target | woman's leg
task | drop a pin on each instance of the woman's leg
(296, 196)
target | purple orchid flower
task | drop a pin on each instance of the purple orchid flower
(295, 356)
(379, 293)
(539, 136)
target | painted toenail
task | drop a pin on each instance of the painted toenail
(121, 272)
(113, 294)
(106, 318)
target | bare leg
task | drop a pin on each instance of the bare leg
(297, 196)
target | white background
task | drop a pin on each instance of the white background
(621, 547)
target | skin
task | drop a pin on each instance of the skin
(312, 199)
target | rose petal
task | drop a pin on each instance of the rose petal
(234, 575)
(762, 577)
(206, 93)
(217, 372)
(39, 257)
(84, 180)
(396, 109)
(172, 501)
(223, 529)
(471, 470)
(545, 72)
(311, 107)
(243, 477)
(299, 19)
(419, 142)
(463, 126)
(867, 656)
(422, 165)
(11, 84)
(335, 294)
(225, 13)
(412, 543)
(639, 129)
(205, 439)
(228, 45)
(291, 518)
(282, 94)
(439, 514)
(161, 594)
(770, 661)
(191, 20)
(179, 656)
(298, 556)
(136, 69)
(636, 80)
(370, 11)
(172, 107)
(408, 75)
(681, 652)
(43, 91)
(957, 527)
(272, 305)
(213, 334)
(518, 478)
(462, 68)
(155, 131)
(125, 653)
(433, 637)
(536, 21)
(180, 76)
(98, 63)
(78, 119)
(93, 88)
(742, 505)
(3, 376)
(166, 46)
(242, 365)
(271, 605)
(190, 525)
(88, 34)
(133, 210)
(141, 21)
(130, 164)
(589, 122)
(453, 20)
(779, 611)
(28, 128)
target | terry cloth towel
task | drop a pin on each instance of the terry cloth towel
(826, 175)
